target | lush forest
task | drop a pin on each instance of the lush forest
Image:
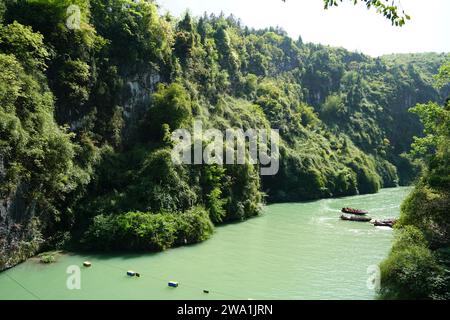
(86, 116)
(418, 266)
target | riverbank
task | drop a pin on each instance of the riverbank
(292, 251)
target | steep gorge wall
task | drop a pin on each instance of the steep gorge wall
(137, 97)
(19, 234)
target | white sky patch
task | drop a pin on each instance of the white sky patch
(352, 27)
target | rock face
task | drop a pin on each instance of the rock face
(136, 97)
(19, 234)
(20, 237)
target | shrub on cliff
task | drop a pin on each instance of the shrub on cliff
(148, 231)
(411, 271)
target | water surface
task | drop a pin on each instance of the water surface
(292, 251)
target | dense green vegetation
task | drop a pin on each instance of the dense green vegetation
(86, 114)
(148, 231)
(418, 266)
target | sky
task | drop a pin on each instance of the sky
(352, 27)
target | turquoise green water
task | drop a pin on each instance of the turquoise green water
(292, 251)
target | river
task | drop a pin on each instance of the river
(291, 251)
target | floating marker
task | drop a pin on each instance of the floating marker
(173, 284)
(87, 264)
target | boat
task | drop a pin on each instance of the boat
(385, 223)
(355, 218)
(131, 273)
(354, 211)
(173, 284)
(87, 264)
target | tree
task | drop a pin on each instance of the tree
(26, 45)
(411, 271)
(172, 106)
(390, 11)
(419, 269)
(442, 79)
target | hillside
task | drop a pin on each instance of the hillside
(86, 115)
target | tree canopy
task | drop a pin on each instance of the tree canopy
(86, 113)
(390, 9)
